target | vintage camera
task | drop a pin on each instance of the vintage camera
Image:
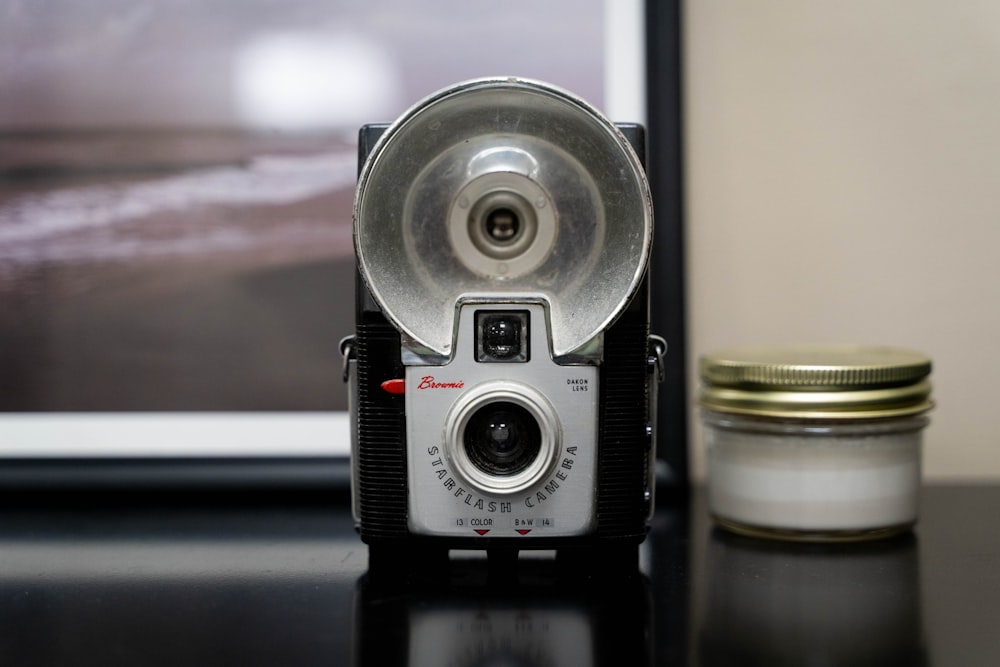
(502, 373)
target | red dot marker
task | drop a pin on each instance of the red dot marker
(523, 531)
(394, 386)
(482, 531)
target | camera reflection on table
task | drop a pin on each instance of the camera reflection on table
(291, 585)
(540, 616)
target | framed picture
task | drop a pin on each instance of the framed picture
(176, 186)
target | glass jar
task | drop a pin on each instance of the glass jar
(814, 443)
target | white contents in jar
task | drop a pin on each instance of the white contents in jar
(848, 477)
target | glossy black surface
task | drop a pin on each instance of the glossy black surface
(285, 584)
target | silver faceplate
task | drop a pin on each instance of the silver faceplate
(445, 500)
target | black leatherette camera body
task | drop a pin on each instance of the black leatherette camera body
(622, 495)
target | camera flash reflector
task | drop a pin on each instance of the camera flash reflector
(506, 186)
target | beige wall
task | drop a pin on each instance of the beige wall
(844, 185)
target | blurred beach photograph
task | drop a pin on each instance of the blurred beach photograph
(177, 179)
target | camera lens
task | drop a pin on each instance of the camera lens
(502, 438)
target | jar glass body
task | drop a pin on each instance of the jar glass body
(813, 479)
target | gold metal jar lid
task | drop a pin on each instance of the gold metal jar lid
(817, 381)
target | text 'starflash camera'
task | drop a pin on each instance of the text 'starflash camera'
(502, 374)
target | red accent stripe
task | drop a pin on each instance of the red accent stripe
(394, 386)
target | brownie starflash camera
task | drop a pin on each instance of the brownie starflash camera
(502, 375)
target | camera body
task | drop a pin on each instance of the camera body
(502, 373)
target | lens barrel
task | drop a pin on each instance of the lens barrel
(502, 439)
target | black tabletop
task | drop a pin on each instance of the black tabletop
(285, 583)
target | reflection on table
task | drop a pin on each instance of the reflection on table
(778, 603)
